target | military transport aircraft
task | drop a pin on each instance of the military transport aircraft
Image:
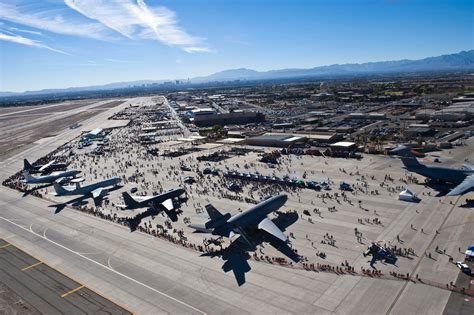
(245, 223)
(462, 177)
(96, 190)
(47, 179)
(162, 202)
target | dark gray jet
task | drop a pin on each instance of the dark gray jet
(47, 179)
(245, 223)
(46, 168)
(96, 190)
(462, 177)
(160, 202)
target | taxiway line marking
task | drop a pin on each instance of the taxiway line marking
(103, 266)
(6, 245)
(32, 266)
(72, 291)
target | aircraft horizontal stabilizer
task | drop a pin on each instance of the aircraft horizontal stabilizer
(200, 228)
(268, 226)
(466, 185)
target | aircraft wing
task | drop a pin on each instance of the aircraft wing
(268, 226)
(168, 204)
(466, 184)
(44, 167)
(97, 192)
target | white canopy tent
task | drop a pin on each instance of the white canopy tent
(407, 195)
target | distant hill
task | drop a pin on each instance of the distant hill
(109, 86)
(463, 60)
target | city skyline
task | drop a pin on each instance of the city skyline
(59, 44)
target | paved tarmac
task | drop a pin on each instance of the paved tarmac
(47, 290)
(149, 275)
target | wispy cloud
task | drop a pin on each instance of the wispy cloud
(119, 61)
(29, 42)
(26, 31)
(52, 20)
(137, 20)
(193, 49)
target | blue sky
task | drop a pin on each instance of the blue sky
(64, 43)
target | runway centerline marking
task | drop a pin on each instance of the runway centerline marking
(32, 266)
(72, 291)
(6, 245)
(103, 266)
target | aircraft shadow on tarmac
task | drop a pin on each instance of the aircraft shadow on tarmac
(441, 188)
(469, 204)
(236, 255)
(27, 192)
(135, 221)
(79, 201)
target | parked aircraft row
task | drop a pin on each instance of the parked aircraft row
(245, 224)
(97, 191)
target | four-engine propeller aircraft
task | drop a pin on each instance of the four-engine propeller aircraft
(245, 223)
(96, 190)
(46, 168)
(158, 203)
(462, 177)
(47, 179)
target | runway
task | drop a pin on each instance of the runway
(148, 275)
(47, 290)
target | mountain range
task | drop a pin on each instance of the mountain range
(462, 61)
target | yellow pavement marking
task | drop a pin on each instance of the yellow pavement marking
(73, 290)
(6, 245)
(32, 266)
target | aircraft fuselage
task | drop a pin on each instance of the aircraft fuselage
(444, 174)
(254, 215)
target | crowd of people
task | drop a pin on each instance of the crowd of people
(153, 174)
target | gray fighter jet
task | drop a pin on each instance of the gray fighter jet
(158, 203)
(45, 168)
(245, 223)
(462, 177)
(47, 179)
(96, 190)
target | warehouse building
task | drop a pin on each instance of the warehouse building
(281, 140)
(232, 118)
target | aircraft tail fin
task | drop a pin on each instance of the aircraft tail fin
(410, 161)
(129, 201)
(216, 217)
(213, 212)
(27, 165)
(59, 189)
(27, 176)
(402, 151)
